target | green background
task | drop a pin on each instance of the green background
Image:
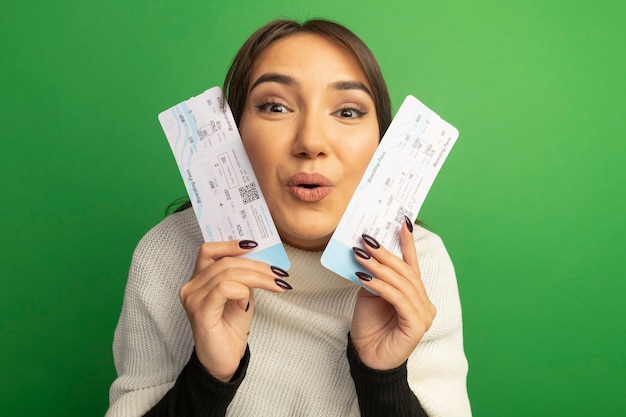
(530, 202)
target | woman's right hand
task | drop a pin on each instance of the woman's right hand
(219, 302)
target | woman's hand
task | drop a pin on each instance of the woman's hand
(219, 302)
(386, 329)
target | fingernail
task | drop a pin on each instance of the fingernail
(409, 224)
(248, 244)
(279, 271)
(361, 253)
(370, 241)
(282, 284)
(247, 307)
(363, 276)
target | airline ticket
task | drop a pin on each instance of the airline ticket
(394, 185)
(218, 176)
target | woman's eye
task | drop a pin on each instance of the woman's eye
(272, 108)
(350, 113)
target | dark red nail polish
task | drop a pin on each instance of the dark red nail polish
(279, 271)
(248, 244)
(361, 253)
(363, 276)
(247, 307)
(370, 241)
(282, 284)
(409, 224)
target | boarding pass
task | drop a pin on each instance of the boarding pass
(394, 185)
(218, 176)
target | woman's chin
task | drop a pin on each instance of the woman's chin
(306, 229)
(308, 239)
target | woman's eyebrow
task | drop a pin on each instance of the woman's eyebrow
(275, 78)
(351, 85)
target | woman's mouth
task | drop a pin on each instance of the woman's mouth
(309, 188)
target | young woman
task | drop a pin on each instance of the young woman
(206, 332)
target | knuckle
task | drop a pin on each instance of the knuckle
(205, 248)
(429, 316)
(183, 293)
(222, 287)
(187, 299)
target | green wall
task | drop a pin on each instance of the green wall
(530, 203)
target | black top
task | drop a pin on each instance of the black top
(198, 393)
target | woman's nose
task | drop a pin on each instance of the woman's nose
(312, 137)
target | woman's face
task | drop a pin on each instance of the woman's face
(309, 126)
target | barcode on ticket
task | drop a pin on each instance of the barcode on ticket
(249, 193)
(401, 213)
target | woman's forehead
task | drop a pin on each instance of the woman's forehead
(307, 54)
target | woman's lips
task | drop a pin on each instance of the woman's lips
(309, 187)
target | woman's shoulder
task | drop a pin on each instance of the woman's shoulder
(167, 251)
(178, 231)
(429, 244)
(439, 278)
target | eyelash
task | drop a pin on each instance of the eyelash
(359, 113)
(263, 107)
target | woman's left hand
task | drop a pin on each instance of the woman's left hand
(386, 329)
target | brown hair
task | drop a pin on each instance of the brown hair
(237, 79)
